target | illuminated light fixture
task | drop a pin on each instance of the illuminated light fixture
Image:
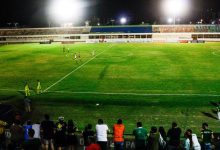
(66, 10)
(175, 7)
(170, 20)
(123, 20)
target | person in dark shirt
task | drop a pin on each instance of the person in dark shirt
(60, 134)
(207, 136)
(153, 139)
(47, 132)
(140, 134)
(32, 143)
(71, 136)
(164, 137)
(17, 135)
(87, 133)
(163, 133)
(174, 137)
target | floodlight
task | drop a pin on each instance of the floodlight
(66, 10)
(123, 20)
(175, 7)
(170, 20)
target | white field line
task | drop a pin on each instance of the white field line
(131, 94)
(11, 90)
(137, 94)
(74, 70)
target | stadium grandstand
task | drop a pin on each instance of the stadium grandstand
(142, 33)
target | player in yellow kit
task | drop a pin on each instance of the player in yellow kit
(27, 90)
(39, 90)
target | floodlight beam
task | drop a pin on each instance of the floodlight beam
(66, 10)
(175, 8)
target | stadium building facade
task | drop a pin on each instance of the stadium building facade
(142, 33)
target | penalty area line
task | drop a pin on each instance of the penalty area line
(137, 94)
(74, 70)
(11, 90)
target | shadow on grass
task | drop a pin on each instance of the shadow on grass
(103, 72)
(214, 111)
(209, 115)
(216, 104)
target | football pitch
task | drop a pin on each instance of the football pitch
(154, 83)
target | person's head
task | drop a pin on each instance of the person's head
(153, 129)
(205, 125)
(174, 125)
(119, 121)
(47, 117)
(89, 126)
(100, 121)
(139, 124)
(61, 119)
(189, 131)
(29, 122)
(186, 134)
(18, 116)
(31, 133)
(162, 130)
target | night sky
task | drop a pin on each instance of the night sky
(33, 13)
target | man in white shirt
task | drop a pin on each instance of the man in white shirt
(101, 133)
(36, 128)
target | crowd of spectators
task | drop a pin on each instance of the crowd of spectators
(185, 28)
(43, 31)
(61, 135)
(83, 30)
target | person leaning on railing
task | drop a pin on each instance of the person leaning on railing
(207, 136)
(118, 135)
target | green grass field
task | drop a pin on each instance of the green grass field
(153, 83)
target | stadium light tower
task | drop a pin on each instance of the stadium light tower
(175, 8)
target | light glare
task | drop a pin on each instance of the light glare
(175, 7)
(66, 10)
(170, 20)
(123, 20)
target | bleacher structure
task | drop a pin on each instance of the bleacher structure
(141, 33)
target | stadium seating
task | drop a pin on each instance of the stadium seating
(148, 33)
(122, 29)
(185, 28)
(112, 29)
(44, 31)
